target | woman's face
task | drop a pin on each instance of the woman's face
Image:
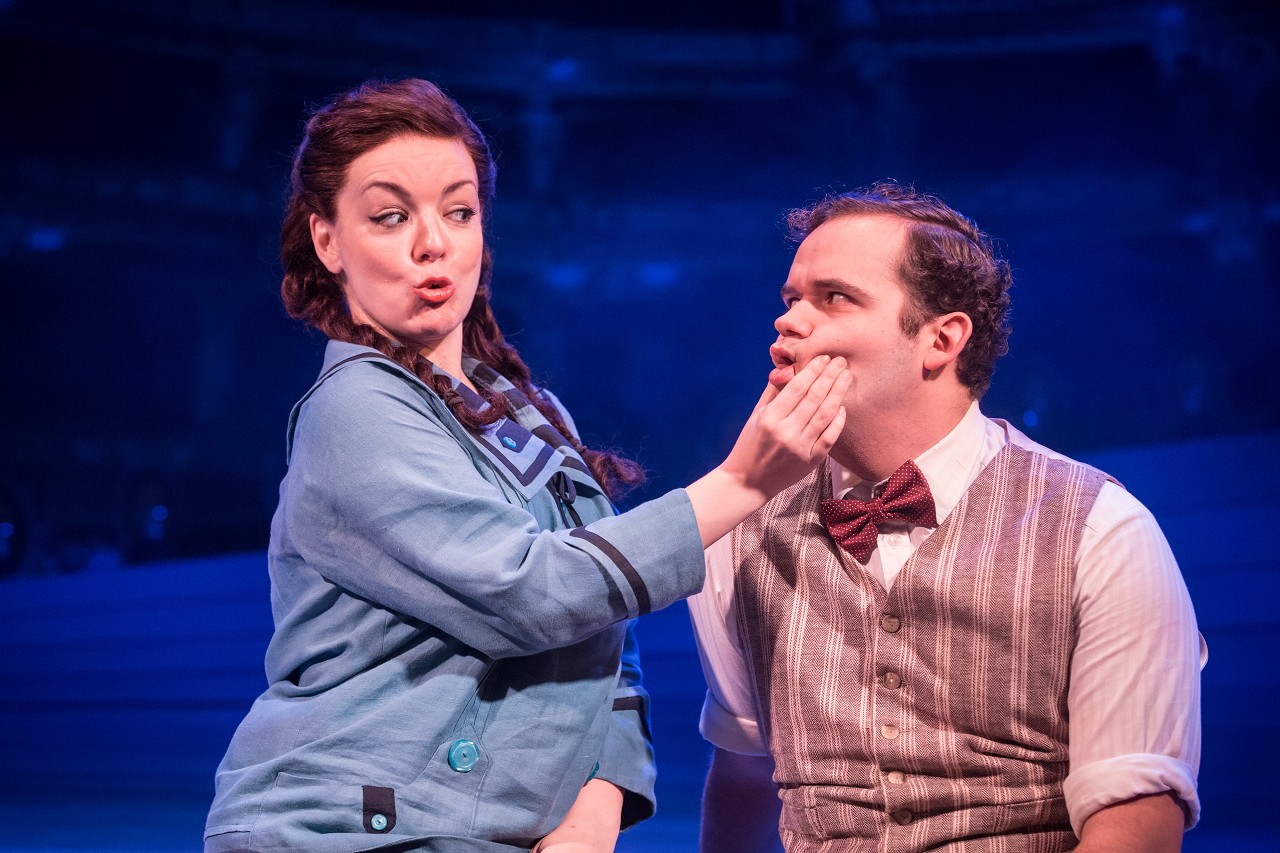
(406, 243)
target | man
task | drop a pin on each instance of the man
(948, 637)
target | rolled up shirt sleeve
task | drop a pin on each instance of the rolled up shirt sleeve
(729, 716)
(1134, 697)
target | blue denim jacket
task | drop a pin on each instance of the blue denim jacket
(452, 657)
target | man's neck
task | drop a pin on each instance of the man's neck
(876, 447)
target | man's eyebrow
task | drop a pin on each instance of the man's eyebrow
(839, 284)
(847, 287)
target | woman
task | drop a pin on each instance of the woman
(452, 666)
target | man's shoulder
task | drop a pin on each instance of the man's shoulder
(1020, 439)
(1114, 503)
(1017, 438)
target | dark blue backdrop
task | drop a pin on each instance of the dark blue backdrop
(1122, 152)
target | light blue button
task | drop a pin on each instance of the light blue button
(463, 755)
(378, 822)
(509, 441)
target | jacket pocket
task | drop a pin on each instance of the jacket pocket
(298, 808)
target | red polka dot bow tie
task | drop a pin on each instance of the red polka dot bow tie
(855, 524)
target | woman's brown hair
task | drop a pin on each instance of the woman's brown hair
(356, 122)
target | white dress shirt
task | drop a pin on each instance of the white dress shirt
(1134, 695)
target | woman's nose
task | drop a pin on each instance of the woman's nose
(430, 243)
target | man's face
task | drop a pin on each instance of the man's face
(843, 297)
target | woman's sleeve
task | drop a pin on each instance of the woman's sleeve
(383, 501)
(627, 757)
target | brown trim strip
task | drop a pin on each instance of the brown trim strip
(379, 809)
(606, 547)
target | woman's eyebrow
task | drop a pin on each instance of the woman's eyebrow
(391, 187)
(403, 194)
(457, 185)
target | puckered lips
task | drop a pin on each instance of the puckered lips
(784, 366)
(435, 290)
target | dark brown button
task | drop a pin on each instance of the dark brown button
(891, 680)
(890, 624)
(902, 817)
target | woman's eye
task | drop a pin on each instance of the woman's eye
(462, 214)
(391, 217)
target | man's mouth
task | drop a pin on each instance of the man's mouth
(784, 369)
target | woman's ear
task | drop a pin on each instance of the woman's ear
(325, 242)
(948, 334)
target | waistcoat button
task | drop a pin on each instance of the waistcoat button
(891, 624)
(902, 817)
(897, 777)
(891, 680)
(889, 730)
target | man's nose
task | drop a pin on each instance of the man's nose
(792, 323)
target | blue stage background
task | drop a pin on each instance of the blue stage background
(1123, 153)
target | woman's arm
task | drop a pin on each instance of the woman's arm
(626, 757)
(592, 824)
(788, 434)
(382, 501)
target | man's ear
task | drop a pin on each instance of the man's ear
(946, 336)
(326, 244)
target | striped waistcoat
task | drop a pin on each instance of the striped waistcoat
(932, 716)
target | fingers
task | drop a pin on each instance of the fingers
(796, 390)
(827, 440)
(814, 386)
(828, 407)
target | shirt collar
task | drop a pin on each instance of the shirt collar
(950, 466)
